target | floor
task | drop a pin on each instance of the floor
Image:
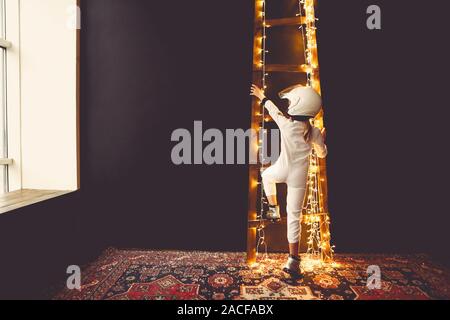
(162, 275)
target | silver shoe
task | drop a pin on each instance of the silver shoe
(292, 267)
(273, 213)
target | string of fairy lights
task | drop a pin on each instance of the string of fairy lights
(316, 220)
(314, 217)
(312, 207)
(263, 52)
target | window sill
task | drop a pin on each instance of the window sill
(22, 198)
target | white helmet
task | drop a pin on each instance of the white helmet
(303, 101)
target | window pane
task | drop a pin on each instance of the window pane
(2, 18)
(3, 114)
(2, 122)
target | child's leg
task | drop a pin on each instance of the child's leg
(295, 198)
(273, 201)
(294, 249)
(271, 176)
(269, 179)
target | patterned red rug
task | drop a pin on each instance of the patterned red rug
(163, 275)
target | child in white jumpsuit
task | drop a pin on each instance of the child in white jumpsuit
(298, 138)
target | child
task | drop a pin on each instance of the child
(298, 138)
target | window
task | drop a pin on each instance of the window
(4, 45)
(39, 101)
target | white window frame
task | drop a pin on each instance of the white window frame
(4, 45)
(42, 159)
(11, 43)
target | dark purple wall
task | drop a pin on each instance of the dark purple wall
(149, 68)
(387, 103)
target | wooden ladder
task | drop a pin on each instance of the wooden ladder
(260, 69)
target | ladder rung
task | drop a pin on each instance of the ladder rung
(295, 21)
(284, 68)
(265, 222)
(255, 223)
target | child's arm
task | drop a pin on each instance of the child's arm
(275, 113)
(318, 141)
(273, 110)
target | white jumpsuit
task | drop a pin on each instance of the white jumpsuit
(292, 166)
